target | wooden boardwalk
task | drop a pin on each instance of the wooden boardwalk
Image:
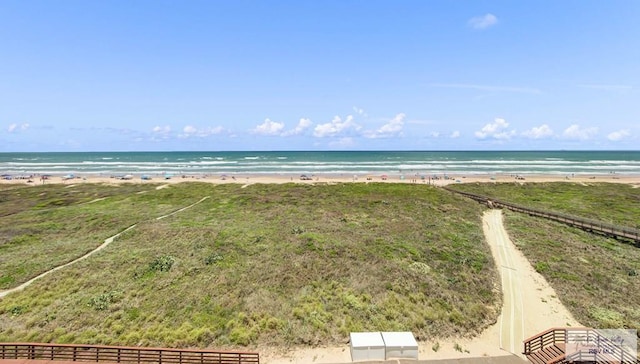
(618, 232)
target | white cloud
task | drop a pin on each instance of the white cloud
(483, 22)
(303, 125)
(618, 135)
(269, 127)
(335, 127)
(359, 111)
(213, 131)
(434, 134)
(388, 130)
(576, 132)
(538, 132)
(191, 131)
(455, 134)
(17, 127)
(162, 129)
(499, 129)
(160, 133)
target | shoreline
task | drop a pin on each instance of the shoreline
(274, 178)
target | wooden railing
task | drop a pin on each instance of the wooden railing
(594, 347)
(553, 336)
(601, 350)
(619, 232)
(121, 354)
(597, 356)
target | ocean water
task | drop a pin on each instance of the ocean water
(327, 163)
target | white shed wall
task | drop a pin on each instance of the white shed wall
(400, 345)
(367, 346)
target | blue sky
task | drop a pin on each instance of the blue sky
(319, 75)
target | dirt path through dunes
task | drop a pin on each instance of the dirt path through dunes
(530, 305)
(511, 321)
(102, 246)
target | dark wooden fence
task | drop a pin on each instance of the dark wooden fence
(121, 354)
(619, 232)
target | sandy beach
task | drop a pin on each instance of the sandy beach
(323, 178)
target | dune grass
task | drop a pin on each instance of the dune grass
(262, 265)
(608, 202)
(46, 226)
(597, 278)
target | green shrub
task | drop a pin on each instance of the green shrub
(541, 267)
(102, 302)
(162, 264)
(17, 310)
(212, 259)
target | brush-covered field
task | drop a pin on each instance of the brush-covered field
(262, 265)
(46, 226)
(597, 278)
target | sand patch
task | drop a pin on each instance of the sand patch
(530, 305)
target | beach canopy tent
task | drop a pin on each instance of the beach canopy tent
(400, 345)
(367, 346)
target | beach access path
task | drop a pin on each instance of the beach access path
(511, 321)
(529, 305)
(107, 242)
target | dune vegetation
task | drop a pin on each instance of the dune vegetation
(597, 278)
(272, 264)
(613, 203)
(45, 226)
